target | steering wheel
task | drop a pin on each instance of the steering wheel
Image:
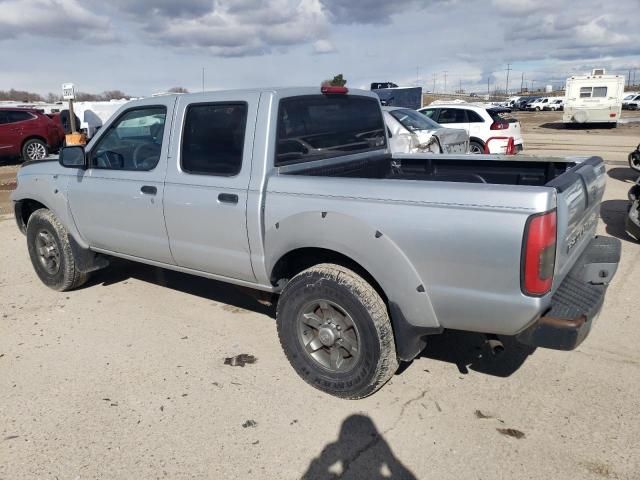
(146, 155)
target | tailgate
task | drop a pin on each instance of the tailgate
(579, 193)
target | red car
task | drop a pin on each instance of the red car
(28, 133)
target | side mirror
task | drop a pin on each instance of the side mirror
(73, 157)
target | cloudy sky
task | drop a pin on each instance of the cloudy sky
(146, 46)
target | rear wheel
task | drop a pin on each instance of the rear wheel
(34, 149)
(335, 331)
(50, 252)
(475, 147)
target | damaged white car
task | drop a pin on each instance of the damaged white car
(412, 132)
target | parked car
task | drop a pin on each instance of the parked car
(634, 104)
(28, 134)
(555, 104)
(522, 103)
(538, 104)
(631, 101)
(294, 192)
(413, 132)
(481, 123)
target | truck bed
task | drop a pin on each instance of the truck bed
(443, 168)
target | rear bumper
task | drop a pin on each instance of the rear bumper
(578, 300)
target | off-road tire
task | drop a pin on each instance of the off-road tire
(67, 276)
(377, 361)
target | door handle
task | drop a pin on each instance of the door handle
(148, 189)
(228, 198)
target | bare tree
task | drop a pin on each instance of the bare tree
(178, 90)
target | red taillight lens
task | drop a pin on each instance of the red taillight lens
(539, 254)
(499, 126)
(330, 90)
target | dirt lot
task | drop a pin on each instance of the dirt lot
(126, 379)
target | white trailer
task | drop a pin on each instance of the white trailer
(595, 98)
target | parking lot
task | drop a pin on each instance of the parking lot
(126, 378)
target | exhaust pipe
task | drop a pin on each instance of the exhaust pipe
(495, 345)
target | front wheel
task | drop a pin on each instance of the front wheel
(335, 330)
(50, 252)
(34, 149)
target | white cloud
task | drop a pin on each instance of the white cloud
(323, 46)
(52, 18)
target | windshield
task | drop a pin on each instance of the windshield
(413, 120)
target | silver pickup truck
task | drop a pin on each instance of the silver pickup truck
(294, 192)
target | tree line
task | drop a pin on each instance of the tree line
(29, 97)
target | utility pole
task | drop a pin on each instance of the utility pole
(508, 70)
(434, 83)
(203, 79)
(522, 83)
(460, 89)
(488, 87)
(445, 81)
(629, 79)
(532, 82)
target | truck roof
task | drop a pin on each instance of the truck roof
(279, 91)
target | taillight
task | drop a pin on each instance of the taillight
(499, 126)
(539, 255)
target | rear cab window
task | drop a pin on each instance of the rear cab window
(314, 127)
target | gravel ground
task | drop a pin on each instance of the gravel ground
(126, 379)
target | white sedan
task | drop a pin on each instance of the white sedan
(412, 132)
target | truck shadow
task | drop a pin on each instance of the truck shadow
(614, 215)
(120, 271)
(359, 452)
(470, 351)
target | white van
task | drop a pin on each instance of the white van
(595, 98)
(539, 104)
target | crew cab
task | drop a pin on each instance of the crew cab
(294, 192)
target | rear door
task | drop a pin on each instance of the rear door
(14, 128)
(453, 118)
(117, 202)
(207, 184)
(477, 125)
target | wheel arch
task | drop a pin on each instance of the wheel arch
(23, 210)
(33, 137)
(367, 251)
(477, 140)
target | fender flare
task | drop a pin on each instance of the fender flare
(410, 306)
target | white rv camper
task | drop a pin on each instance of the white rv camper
(595, 98)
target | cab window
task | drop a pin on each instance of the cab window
(133, 142)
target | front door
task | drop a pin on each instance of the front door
(117, 201)
(207, 184)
